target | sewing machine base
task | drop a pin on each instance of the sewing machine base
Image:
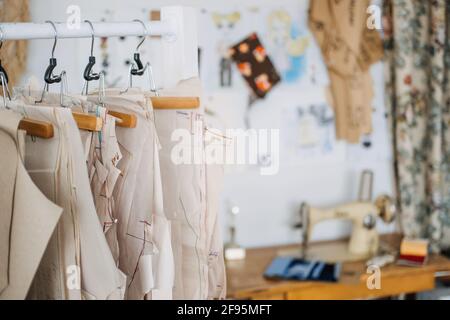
(327, 251)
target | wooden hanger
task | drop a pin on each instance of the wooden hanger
(88, 122)
(45, 130)
(37, 128)
(137, 68)
(168, 103)
(126, 120)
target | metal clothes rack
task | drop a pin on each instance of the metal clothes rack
(177, 28)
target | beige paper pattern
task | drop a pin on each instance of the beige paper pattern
(349, 48)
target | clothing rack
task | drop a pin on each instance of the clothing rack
(177, 28)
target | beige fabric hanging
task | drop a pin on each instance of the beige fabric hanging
(191, 192)
(182, 206)
(145, 252)
(27, 217)
(349, 48)
(216, 266)
(102, 157)
(78, 263)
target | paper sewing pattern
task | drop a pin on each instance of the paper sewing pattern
(349, 48)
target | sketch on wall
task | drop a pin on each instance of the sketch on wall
(225, 24)
(307, 133)
(283, 30)
(306, 127)
(288, 45)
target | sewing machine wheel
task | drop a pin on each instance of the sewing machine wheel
(370, 221)
(387, 208)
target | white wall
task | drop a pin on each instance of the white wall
(268, 205)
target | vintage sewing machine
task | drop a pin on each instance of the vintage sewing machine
(364, 213)
(364, 239)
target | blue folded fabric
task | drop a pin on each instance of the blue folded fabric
(291, 268)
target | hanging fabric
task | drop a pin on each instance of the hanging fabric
(138, 198)
(190, 201)
(28, 218)
(417, 73)
(349, 48)
(102, 157)
(116, 236)
(72, 268)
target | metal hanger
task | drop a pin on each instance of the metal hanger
(32, 127)
(157, 101)
(84, 121)
(88, 75)
(63, 89)
(126, 120)
(101, 88)
(137, 68)
(49, 77)
(139, 71)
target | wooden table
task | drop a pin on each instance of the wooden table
(245, 279)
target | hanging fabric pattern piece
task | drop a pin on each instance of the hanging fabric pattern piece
(349, 48)
(28, 218)
(72, 268)
(138, 198)
(103, 156)
(86, 212)
(190, 200)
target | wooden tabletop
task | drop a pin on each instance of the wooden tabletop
(245, 278)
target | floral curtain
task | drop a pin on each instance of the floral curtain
(418, 99)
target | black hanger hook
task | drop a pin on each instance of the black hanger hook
(49, 77)
(87, 74)
(139, 71)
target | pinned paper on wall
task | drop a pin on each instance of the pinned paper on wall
(312, 121)
(307, 132)
(225, 23)
(282, 30)
(288, 42)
